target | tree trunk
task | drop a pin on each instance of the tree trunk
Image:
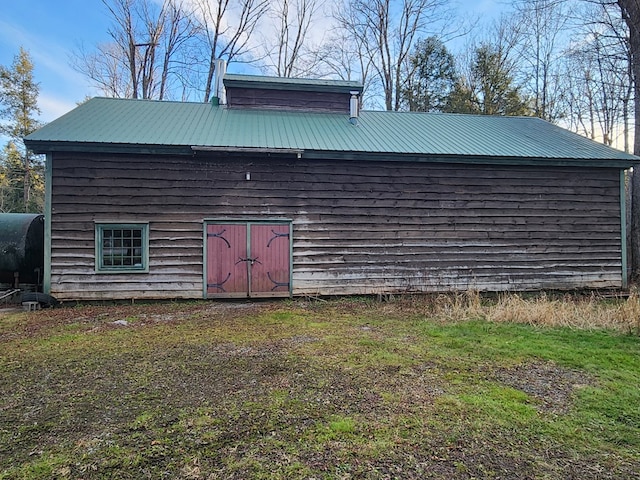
(631, 14)
(210, 72)
(27, 181)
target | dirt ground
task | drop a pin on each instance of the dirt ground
(272, 390)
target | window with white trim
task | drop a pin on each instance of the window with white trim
(122, 247)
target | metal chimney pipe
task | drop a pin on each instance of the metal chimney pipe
(219, 90)
(354, 107)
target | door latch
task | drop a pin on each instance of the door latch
(249, 259)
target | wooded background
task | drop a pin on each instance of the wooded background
(571, 62)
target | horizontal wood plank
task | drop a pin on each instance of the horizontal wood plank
(358, 227)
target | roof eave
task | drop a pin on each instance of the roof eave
(474, 159)
(48, 146)
(248, 150)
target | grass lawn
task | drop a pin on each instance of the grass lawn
(413, 388)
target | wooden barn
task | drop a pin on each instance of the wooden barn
(281, 187)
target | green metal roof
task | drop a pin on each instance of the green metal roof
(108, 124)
(299, 84)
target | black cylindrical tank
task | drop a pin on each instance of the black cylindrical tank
(21, 248)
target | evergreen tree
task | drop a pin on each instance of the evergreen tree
(431, 77)
(497, 94)
(12, 177)
(19, 107)
(461, 99)
(490, 88)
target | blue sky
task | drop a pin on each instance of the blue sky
(52, 29)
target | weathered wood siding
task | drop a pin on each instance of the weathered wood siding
(288, 99)
(358, 227)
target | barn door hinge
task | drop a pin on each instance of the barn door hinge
(219, 235)
(219, 285)
(276, 283)
(276, 235)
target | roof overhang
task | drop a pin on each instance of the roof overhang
(472, 160)
(250, 150)
(42, 147)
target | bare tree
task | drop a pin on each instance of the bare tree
(574, 100)
(630, 10)
(543, 36)
(600, 91)
(340, 56)
(106, 68)
(180, 31)
(580, 101)
(289, 48)
(629, 38)
(228, 27)
(141, 58)
(596, 80)
(387, 30)
(136, 31)
(343, 55)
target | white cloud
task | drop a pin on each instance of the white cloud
(45, 53)
(60, 86)
(53, 107)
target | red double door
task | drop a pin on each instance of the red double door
(248, 260)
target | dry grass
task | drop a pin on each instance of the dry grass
(561, 310)
(585, 312)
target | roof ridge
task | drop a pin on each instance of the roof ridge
(455, 114)
(147, 100)
(294, 80)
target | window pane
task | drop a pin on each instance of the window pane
(122, 247)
